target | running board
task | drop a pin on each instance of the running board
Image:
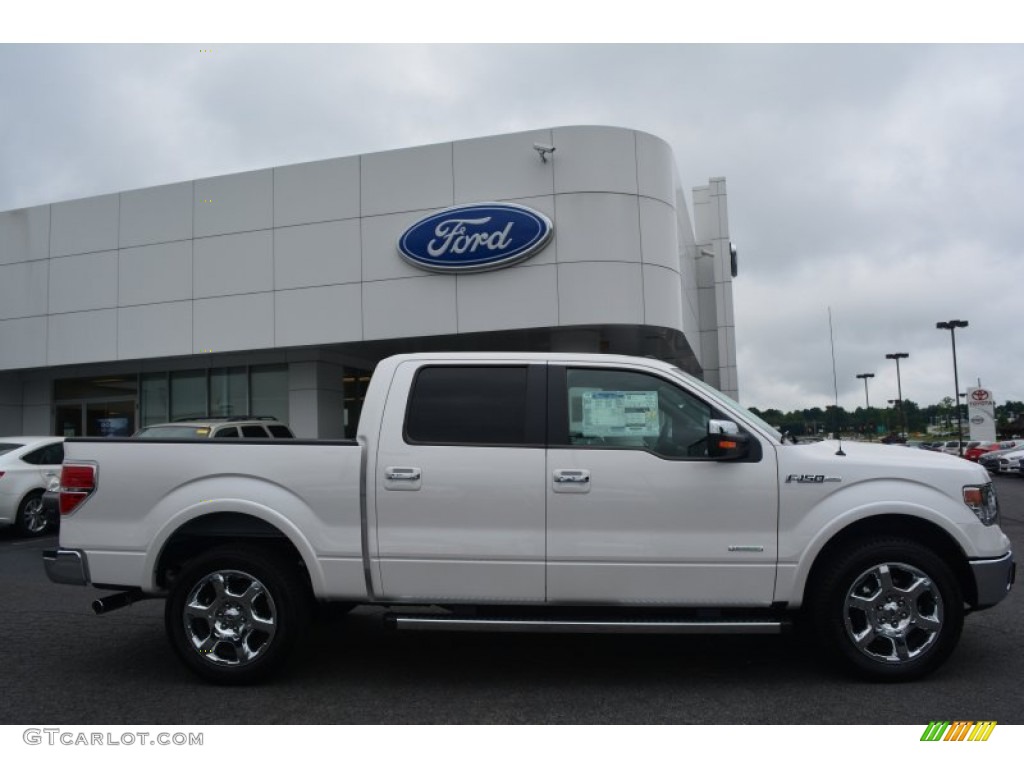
(641, 626)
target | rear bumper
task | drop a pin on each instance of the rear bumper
(66, 566)
(993, 579)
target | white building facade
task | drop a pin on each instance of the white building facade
(275, 292)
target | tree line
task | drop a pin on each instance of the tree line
(883, 421)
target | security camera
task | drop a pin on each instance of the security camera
(543, 150)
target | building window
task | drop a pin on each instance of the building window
(268, 390)
(188, 395)
(155, 405)
(229, 392)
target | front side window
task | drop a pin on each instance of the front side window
(626, 409)
(468, 405)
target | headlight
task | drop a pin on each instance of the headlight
(982, 501)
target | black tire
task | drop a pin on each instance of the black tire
(235, 612)
(888, 609)
(31, 519)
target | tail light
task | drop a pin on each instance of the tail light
(77, 482)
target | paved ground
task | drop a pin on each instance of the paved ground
(62, 665)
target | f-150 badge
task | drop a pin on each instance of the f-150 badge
(813, 479)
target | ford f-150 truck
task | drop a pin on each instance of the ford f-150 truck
(537, 492)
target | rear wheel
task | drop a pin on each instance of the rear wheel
(235, 612)
(31, 520)
(889, 609)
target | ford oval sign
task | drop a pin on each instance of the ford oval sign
(474, 238)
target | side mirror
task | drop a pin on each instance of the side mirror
(725, 441)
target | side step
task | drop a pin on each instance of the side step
(599, 626)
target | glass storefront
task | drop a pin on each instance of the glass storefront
(102, 406)
(118, 405)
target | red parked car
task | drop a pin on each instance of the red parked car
(977, 451)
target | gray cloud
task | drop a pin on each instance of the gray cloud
(883, 181)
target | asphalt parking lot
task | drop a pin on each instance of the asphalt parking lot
(64, 665)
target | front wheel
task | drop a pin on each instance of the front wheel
(235, 612)
(889, 609)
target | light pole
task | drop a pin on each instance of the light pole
(866, 376)
(951, 326)
(867, 404)
(897, 356)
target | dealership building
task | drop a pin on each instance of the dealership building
(276, 291)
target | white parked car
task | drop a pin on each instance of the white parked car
(1009, 463)
(953, 449)
(26, 466)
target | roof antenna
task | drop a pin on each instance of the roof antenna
(835, 383)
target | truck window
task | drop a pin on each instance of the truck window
(627, 409)
(461, 405)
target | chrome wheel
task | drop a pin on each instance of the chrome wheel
(31, 517)
(230, 618)
(893, 612)
(887, 607)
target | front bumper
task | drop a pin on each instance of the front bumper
(66, 566)
(993, 579)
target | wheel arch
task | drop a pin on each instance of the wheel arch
(917, 529)
(208, 530)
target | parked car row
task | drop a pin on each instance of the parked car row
(30, 465)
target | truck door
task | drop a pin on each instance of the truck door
(637, 513)
(460, 488)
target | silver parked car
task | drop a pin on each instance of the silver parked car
(218, 428)
(27, 464)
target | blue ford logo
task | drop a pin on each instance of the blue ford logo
(474, 238)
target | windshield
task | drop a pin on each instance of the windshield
(709, 390)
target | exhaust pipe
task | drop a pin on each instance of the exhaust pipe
(119, 600)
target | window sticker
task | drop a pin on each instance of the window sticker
(617, 414)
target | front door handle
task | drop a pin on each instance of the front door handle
(574, 476)
(402, 473)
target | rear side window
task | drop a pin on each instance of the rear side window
(48, 454)
(253, 430)
(468, 405)
(279, 430)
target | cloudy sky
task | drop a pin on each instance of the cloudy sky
(885, 182)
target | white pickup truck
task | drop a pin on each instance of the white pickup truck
(537, 492)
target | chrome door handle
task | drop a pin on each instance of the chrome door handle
(402, 473)
(579, 476)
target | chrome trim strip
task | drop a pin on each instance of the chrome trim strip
(459, 624)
